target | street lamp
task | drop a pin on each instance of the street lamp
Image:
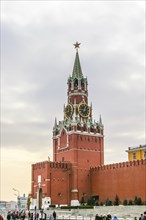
(18, 197)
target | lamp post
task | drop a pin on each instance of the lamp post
(18, 197)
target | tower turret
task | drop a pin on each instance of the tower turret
(77, 83)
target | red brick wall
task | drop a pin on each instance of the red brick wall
(78, 99)
(127, 180)
(83, 152)
(86, 150)
(55, 181)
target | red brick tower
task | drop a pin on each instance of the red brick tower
(78, 138)
(77, 172)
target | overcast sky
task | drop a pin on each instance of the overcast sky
(37, 57)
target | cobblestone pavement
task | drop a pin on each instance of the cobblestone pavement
(122, 212)
(126, 212)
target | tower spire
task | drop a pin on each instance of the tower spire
(100, 120)
(77, 71)
(55, 123)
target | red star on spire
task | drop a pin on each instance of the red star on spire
(77, 45)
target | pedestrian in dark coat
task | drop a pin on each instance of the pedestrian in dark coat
(144, 216)
(54, 215)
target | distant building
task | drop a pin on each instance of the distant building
(11, 205)
(136, 153)
(23, 202)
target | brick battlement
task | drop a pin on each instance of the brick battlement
(44, 164)
(39, 165)
(119, 165)
(62, 165)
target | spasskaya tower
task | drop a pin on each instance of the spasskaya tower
(77, 173)
(78, 138)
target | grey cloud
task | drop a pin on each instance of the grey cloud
(38, 56)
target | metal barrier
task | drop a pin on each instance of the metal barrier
(79, 217)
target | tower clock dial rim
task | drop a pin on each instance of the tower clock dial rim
(68, 111)
(84, 110)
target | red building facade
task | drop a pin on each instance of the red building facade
(78, 145)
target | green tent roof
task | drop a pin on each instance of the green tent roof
(77, 71)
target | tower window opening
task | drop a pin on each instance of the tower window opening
(69, 128)
(84, 129)
(79, 127)
(76, 84)
(134, 156)
(69, 85)
(91, 129)
(82, 85)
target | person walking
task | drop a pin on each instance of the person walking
(115, 218)
(54, 215)
(141, 216)
(8, 216)
(108, 217)
(97, 217)
(144, 216)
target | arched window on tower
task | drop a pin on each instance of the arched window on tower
(69, 85)
(79, 127)
(91, 128)
(75, 84)
(98, 129)
(69, 128)
(82, 84)
(84, 127)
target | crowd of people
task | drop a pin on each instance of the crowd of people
(103, 217)
(109, 217)
(14, 215)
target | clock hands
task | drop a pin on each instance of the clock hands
(68, 112)
(84, 110)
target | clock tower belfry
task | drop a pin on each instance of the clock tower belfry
(78, 138)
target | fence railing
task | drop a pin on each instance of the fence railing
(79, 217)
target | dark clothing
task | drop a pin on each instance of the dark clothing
(54, 215)
(8, 216)
(42, 216)
(109, 217)
(97, 217)
(31, 216)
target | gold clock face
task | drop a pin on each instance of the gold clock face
(84, 110)
(68, 112)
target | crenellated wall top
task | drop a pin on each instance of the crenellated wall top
(62, 165)
(44, 164)
(119, 165)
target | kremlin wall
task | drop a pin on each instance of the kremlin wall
(77, 172)
(126, 179)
